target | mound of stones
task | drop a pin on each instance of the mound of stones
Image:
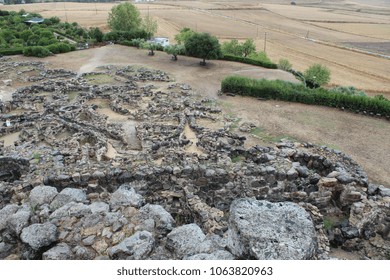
(64, 193)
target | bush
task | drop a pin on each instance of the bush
(251, 61)
(348, 91)
(284, 64)
(287, 91)
(11, 51)
(37, 51)
(316, 75)
(118, 36)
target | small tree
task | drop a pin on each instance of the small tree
(150, 26)
(96, 34)
(124, 17)
(203, 45)
(149, 46)
(184, 35)
(233, 47)
(317, 75)
(248, 47)
(284, 64)
(175, 50)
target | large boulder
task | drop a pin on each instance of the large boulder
(60, 252)
(136, 247)
(42, 195)
(39, 235)
(126, 196)
(185, 240)
(270, 231)
(163, 221)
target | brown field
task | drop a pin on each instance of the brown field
(330, 25)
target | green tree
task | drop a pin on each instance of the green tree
(149, 25)
(124, 17)
(96, 34)
(260, 56)
(248, 47)
(175, 50)
(149, 46)
(317, 75)
(284, 64)
(184, 35)
(233, 47)
(203, 45)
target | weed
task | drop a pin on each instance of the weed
(328, 223)
(238, 159)
(99, 79)
(37, 156)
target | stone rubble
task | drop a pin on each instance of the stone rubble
(110, 171)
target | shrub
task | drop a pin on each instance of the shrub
(348, 91)
(284, 64)
(37, 51)
(11, 51)
(317, 75)
(64, 48)
(287, 91)
(260, 56)
(247, 60)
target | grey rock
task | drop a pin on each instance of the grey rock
(303, 171)
(344, 178)
(71, 209)
(39, 235)
(89, 240)
(126, 196)
(99, 207)
(270, 170)
(136, 247)
(5, 249)
(5, 214)
(60, 252)
(19, 221)
(292, 174)
(350, 232)
(68, 195)
(82, 253)
(372, 189)
(185, 240)
(265, 230)
(383, 191)
(163, 221)
(42, 195)
(217, 255)
(210, 173)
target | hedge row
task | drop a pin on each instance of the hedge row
(286, 91)
(12, 51)
(247, 60)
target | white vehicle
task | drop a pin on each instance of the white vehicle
(163, 41)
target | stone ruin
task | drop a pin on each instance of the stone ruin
(130, 169)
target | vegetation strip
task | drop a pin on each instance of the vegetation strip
(286, 91)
